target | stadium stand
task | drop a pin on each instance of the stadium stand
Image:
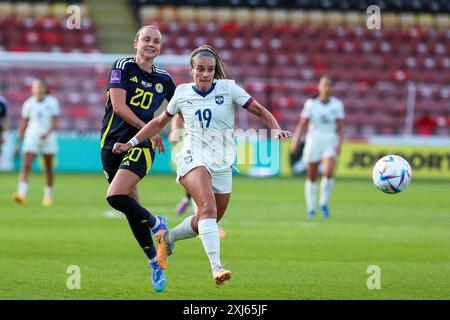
(275, 49)
(41, 27)
(282, 53)
(343, 5)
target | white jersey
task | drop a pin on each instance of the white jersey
(322, 117)
(39, 114)
(209, 121)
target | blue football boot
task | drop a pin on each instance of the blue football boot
(165, 248)
(325, 211)
(158, 277)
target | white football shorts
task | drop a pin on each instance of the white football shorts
(34, 144)
(221, 180)
(317, 149)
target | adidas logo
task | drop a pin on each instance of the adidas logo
(134, 79)
(126, 163)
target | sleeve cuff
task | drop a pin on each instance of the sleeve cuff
(169, 114)
(249, 102)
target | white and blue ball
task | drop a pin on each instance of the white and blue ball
(391, 174)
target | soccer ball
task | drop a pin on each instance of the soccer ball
(391, 174)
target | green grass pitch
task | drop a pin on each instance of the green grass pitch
(272, 248)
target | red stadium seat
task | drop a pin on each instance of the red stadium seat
(79, 111)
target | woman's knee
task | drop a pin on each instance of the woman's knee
(120, 186)
(26, 168)
(312, 175)
(207, 209)
(328, 173)
(328, 169)
(114, 189)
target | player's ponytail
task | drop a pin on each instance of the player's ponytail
(206, 50)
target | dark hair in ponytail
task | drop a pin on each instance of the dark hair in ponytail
(208, 51)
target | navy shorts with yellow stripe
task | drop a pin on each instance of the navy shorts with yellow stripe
(138, 160)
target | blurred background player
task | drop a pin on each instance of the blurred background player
(203, 165)
(323, 120)
(4, 120)
(37, 129)
(136, 89)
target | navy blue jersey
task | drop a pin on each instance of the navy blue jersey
(3, 109)
(145, 93)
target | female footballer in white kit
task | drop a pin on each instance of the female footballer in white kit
(37, 129)
(323, 120)
(204, 163)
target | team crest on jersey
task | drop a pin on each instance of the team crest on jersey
(159, 87)
(219, 99)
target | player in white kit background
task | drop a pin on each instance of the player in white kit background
(4, 119)
(204, 163)
(322, 119)
(37, 130)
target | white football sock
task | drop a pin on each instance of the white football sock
(22, 188)
(209, 233)
(326, 186)
(310, 195)
(182, 231)
(48, 191)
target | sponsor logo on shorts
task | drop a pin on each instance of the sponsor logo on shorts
(188, 159)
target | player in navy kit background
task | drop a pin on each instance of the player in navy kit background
(136, 89)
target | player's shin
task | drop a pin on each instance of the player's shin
(326, 187)
(22, 188)
(209, 234)
(310, 196)
(144, 238)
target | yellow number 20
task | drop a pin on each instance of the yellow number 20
(142, 99)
